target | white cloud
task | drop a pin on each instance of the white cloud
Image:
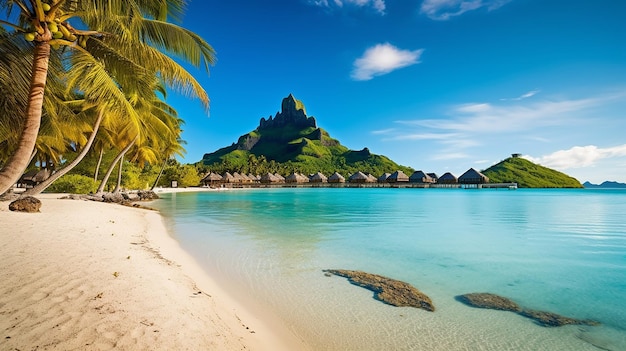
(524, 96)
(422, 136)
(579, 156)
(383, 131)
(444, 9)
(378, 5)
(490, 118)
(382, 59)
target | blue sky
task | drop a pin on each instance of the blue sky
(438, 85)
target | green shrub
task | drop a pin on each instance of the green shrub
(74, 184)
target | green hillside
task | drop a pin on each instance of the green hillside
(291, 141)
(529, 175)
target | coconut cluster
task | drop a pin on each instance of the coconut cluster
(52, 21)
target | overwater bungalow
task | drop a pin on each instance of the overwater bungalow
(383, 178)
(447, 178)
(269, 178)
(358, 177)
(398, 177)
(237, 178)
(434, 176)
(296, 178)
(371, 178)
(211, 179)
(318, 177)
(246, 179)
(228, 178)
(336, 178)
(472, 176)
(281, 179)
(421, 177)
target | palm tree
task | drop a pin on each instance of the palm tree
(46, 183)
(138, 29)
(157, 123)
(168, 152)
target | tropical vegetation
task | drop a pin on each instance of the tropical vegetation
(528, 175)
(292, 142)
(80, 78)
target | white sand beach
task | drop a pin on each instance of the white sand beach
(84, 275)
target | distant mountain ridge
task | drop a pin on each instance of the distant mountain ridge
(605, 185)
(293, 140)
(529, 175)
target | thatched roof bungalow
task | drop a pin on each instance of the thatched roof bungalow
(269, 178)
(292, 178)
(398, 177)
(421, 177)
(281, 179)
(336, 178)
(383, 178)
(358, 177)
(34, 177)
(246, 178)
(296, 178)
(228, 178)
(447, 178)
(472, 176)
(318, 177)
(238, 178)
(254, 178)
(434, 176)
(371, 178)
(211, 178)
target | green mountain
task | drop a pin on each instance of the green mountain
(291, 141)
(529, 175)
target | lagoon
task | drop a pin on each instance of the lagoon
(561, 250)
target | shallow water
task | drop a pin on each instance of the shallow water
(562, 251)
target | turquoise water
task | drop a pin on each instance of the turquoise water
(562, 251)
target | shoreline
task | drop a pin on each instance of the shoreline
(84, 274)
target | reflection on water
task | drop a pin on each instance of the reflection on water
(557, 250)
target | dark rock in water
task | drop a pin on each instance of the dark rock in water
(25, 204)
(549, 319)
(490, 301)
(390, 291)
(496, 302)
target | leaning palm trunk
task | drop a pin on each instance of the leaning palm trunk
(113, 164)
(119, 176)
(160, 174)
(20, 159)
(46, 183)
(95, 175)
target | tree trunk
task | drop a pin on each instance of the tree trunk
(119, 176)
(160, 174)
(95, 174)
(46, 183)
(113, 164)
(17, 163)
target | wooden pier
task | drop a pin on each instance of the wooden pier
(511, 186)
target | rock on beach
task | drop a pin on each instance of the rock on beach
(25, 204)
